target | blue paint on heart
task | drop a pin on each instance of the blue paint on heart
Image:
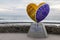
(42, 12)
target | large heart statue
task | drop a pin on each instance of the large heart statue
(38, 13)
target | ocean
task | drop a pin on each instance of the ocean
(22, 16)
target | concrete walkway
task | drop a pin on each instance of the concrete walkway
(23, 36)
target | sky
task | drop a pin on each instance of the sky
(18, 7)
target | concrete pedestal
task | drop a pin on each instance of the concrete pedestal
(37, 30)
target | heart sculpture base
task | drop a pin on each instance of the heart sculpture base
(37, 30)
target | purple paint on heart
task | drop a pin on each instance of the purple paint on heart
(42, 12)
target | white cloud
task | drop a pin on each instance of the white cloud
(55, 6)
(4, 10)
(15, 5)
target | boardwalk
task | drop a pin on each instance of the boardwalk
(23, 36)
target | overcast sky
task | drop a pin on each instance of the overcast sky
(18, 7)
(15, 6)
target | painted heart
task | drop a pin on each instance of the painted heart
(38, 13)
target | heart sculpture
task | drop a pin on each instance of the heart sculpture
(38, 13)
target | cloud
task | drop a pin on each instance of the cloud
(56, 6)
(15, 6)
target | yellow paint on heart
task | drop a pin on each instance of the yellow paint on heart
(31, 10)
(42, 3)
